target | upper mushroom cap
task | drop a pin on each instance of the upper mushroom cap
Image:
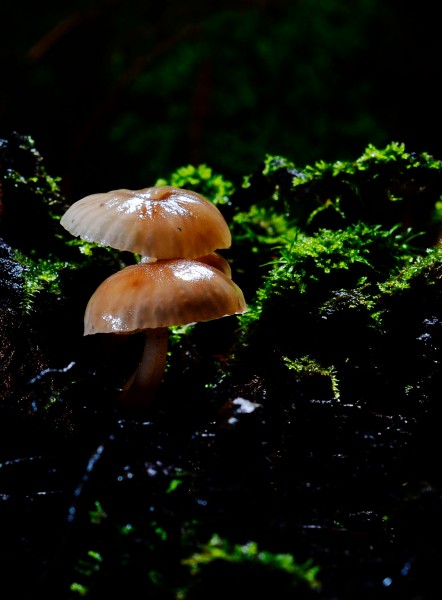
(161, 294)
(156, 222)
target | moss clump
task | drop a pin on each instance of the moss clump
(388, 187)
(39, 275)
(353, 240)
(425, 270)
(245, 569)
(311, 270)
(203, 180)
(30, 198)
(310, 371)
(384, 186)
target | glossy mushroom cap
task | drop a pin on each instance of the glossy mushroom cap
(161, 294)
(157, 222)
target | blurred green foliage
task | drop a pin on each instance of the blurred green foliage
(116, 93)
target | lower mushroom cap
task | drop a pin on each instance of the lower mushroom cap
(161, 294)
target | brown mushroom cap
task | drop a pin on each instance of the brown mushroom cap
(157, 222)
(161, 294)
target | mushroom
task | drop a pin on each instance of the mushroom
(156, 222)
(149, 298)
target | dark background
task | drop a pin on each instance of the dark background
(119, 93)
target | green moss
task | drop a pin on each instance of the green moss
(261, 227)
(93, 252)
(308, 368)
(373, 160)
(427, 268)
(37, 178)
(384, 186)
(220, 550)
(32, 200)
(39, 274)
(321, 313)
(416, 290)
(201, 179)
(313, 266)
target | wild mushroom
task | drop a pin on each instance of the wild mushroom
(149, 298)
(155, 222)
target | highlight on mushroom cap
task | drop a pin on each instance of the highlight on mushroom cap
(219, 262)
(161, 294)
(157, 222)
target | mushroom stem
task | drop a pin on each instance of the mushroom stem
(140, 389)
